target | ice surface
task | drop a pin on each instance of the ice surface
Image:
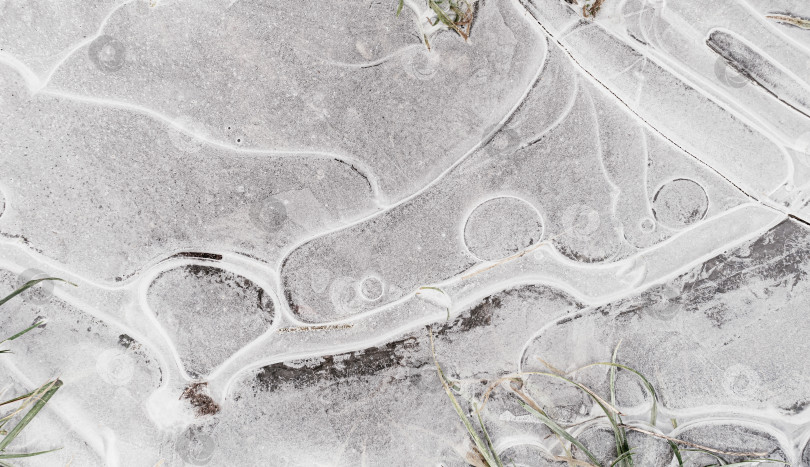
(274, 213)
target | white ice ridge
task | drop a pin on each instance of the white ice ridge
(272, 215)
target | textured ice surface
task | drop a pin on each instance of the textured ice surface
(267, 208)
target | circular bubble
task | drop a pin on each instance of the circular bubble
(680, 203)
(505, 141)
(38, 294)
(668, 304)
(196, 448)
(269, 214)
(741, 382)
(371, 288)
(501, 227)
(115, 367)
(344, 295)
(728, 75)
(107, 53)
(647, 225)
(580, 221)
(421, 63)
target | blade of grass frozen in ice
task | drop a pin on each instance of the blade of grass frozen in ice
(622, 446)
(722, 462)
(676, 452)
(626, 455)
(441, 16)
(28, 400)
(18, 398)
(696, 447)
(607, 408)
(30, 454)
(751, 461)
(489, 457)
(795, 21)
(489, 440)
(30, 284)
(647, 384)
(558, 430)
(29, 328)
(37, 407)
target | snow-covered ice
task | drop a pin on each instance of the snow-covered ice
(274, 211)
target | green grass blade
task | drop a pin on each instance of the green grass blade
(31, 454)
(441, 16)
(19, 398)
(750, 461)
(489, 440)
(622, 447)
(399, 9)
(30, 284)
(622, 458)
(676, 452)
(29, 328)
(30, 415)
(647, 384)
(482, 448)
(557, 429)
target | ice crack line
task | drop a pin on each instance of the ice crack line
(764, 202)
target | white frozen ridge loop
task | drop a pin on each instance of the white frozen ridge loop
(275, 214)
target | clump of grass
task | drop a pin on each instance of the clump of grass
(483, 454)
(435, 15)
(590, 9)
(486, 456)
(30, 404)
(792, 20)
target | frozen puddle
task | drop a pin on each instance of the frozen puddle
(268, 209)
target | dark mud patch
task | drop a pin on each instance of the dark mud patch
(333, 368)
(198, 255)
(195, 394)
(125, 341)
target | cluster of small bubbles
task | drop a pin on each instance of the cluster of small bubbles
(115, 367)
(269, 215)
(727, 75)
(504, 142)
(647, 225)
(668, 304)
(580, 221)
(344, 295)
(196, 447)
(741, 382)
(107, 53)
(421, 64)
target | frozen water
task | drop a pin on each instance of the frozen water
(277, 214)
